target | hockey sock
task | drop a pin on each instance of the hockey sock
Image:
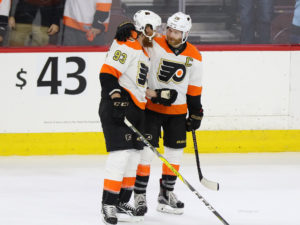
(109, 198)
(142, 178)
(168, 177)
(125, 195)
(126, 189)
(111, 191)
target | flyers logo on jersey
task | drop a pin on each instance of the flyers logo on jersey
(171, 71)
(142, 74)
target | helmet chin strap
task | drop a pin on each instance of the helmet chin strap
(150, 37)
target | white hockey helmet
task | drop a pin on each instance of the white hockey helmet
(182, 22)
(142, 18)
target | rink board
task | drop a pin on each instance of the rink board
(208, 142)
(50, 99)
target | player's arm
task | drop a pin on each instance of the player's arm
(101, 14)
(113, 69)
(109, 80)
(195, 112)
(115, 65)
(194, 96)
(117, 61)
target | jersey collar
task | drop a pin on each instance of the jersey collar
(179, 50)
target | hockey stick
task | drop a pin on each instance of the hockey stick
(207, 183)
(146, 142)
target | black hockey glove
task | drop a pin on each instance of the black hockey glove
(165, 96)
(119, 108)
(193, 122)
(124, 31)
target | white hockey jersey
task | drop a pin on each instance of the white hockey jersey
(79, 14)
(182, 73)
(4, 7)
(130, 64)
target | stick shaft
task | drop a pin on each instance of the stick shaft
(197, 155)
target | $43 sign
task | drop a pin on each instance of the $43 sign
(53, 82)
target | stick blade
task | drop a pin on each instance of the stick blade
(210, 184)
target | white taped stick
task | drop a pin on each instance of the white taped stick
(206, 183)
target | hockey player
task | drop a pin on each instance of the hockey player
(175, 64)
(85, 22)
(123, 79)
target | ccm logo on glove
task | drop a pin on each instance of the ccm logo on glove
(120, 106)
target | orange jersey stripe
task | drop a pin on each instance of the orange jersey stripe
(192, 51)
(194, 90)
(70, 22)
(128, 182)
(111, 70)
(141, 105)
(104, 7)
(170, 110)
(143, 170)
(163, 43)
(112, 185)
(132, 44)
(167, 171)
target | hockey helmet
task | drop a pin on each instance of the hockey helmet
(182, 22)
(142, 18)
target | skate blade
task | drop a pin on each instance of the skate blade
(168, 209)
(128, 218)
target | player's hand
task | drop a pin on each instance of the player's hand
(193, 122)
(95, 31)
(151, 93)
(119, 109)
(53, 29)
(12, 22)
(124, 31)
(165, 96)
(92, 33)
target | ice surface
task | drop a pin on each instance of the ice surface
(255, 189)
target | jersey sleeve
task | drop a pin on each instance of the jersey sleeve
(195, 81)
(116, 63)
